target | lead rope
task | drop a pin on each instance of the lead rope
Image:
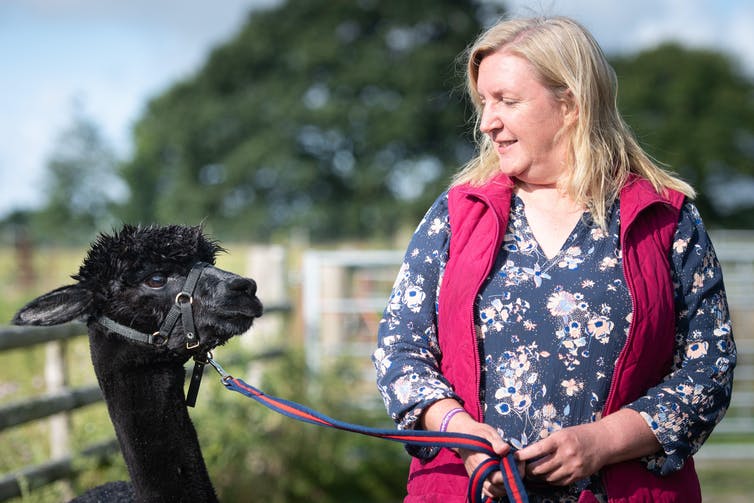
(514, 486)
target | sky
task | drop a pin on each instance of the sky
(107, 58)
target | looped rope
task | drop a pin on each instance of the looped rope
(507, 465)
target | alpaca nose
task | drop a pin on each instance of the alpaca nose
(243, 285)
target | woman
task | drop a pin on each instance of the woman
(562, 298)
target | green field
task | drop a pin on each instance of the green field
(727, 481)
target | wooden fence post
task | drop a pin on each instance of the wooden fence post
(56, 380)
(267, 266)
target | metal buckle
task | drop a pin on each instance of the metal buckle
(189, 345)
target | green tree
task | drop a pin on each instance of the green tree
(337, 116)
(694, 111)
(81, 186)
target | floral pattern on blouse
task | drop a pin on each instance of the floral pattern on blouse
(550, 331)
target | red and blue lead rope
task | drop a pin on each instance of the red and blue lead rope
(506, 465)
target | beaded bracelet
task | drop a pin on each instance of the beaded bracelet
(447, 417)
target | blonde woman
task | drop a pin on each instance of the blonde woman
(573, 309)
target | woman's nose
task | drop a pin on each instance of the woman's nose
(489, 120)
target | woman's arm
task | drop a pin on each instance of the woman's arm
(408, 353)
(407, 358)
(672, 420)
(683, 410)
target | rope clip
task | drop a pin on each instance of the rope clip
(224, 376)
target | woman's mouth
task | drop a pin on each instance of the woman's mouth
(504, 145)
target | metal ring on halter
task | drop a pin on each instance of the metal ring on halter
(158, 339)
(183, 295)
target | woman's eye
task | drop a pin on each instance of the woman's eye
(156, 280)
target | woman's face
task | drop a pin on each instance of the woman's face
(522, 118)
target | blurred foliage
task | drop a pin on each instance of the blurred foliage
(334, 116)
(352, 122)
(693, 110)
(255, 454)
(344, 119)
(81, 187)
(27, 271)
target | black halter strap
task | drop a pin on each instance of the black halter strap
(181, 310)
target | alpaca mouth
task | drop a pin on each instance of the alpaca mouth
(210, 342)
(242, 312)
(235, 323)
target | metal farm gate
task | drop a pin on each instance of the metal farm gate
(344, 293)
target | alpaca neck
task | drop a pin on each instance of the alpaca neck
(156, 436)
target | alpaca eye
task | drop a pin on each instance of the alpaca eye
(156, 280)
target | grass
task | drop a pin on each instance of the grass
(726, 481)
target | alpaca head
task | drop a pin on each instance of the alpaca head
(134, 277)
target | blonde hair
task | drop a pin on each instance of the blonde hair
(603, 152)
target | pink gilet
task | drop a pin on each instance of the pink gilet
(478, 220)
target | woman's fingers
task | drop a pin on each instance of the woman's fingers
(564, 457)
(493, 487)
(493, 490)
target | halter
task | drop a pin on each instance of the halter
(181, 310)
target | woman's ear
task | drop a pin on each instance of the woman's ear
(570, 108)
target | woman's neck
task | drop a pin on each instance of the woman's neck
(548, 197)
(551, 215)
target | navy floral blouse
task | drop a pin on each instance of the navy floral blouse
(550, 330)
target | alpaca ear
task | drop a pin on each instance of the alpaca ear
(61, 305)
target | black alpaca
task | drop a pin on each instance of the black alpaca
(129, 283)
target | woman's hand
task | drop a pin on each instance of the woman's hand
(565, 456)
(493, 487)
(462, 422)
(577, 452)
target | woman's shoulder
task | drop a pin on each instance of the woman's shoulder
(433, 227)
(690, 220)
(439, 208)
(691, 233)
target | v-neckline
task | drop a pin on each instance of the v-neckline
(528, 230)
